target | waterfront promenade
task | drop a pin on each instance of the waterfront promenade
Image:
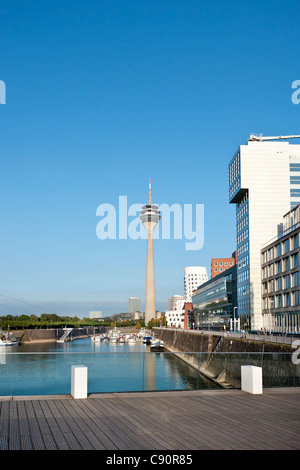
(188, 420)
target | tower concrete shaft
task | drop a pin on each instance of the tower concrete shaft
(150, 216)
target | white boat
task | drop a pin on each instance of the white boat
(131, 341)
(96, 339)
(121, 339)
(8, 342)
(8, 339)
(114, 339)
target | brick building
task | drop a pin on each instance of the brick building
(219, 265)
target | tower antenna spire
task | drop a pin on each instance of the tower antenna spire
(150, 194)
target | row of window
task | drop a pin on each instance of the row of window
(295, 179)
(244, 248)
(290, 262)
(234, 174)
(282, 248)
(243, 276)
(244, 223)
(288, 299)
(281, 283)
(242, 210)
(220, 270)
(294, 166)
(243, 262)
(243, 290)
(226, 263)
(243, 236)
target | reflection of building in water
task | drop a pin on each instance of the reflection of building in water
(3, 356)
(215, 302)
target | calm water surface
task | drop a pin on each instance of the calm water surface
(45, 368)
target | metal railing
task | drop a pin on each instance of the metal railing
(271, 338)
(49, 373)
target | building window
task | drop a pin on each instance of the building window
(294, 166)
(278, 301)
(286, 264)
(265, 288)
(278, 250)
(296, 241)
(278, 283)
(295, 179)
(295, 260)
(286, 246)
(286, 282)
(287, 299)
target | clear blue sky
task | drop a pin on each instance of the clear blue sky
(101, 96)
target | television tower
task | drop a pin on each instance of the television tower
(150, 217)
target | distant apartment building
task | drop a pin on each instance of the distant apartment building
(264, 184)
(139, 315)
(215, 302)
(96, 314)
(173, 318)
(219, 265)
(281, 278)
(134, 305)
(176, 302)
(194, 276)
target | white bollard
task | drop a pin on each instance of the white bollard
(79, 381)
(251, 379)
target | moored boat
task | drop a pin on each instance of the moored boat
(157, 345)
(8, 339)
(131, 340)
(147, 339)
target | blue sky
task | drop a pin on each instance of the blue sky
(101, 96)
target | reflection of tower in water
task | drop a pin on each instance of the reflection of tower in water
(149, 371)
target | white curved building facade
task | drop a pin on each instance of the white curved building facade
(194, 276)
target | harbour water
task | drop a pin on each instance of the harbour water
(45, 368)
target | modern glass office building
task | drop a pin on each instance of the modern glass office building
(215, 302)
(264, 183)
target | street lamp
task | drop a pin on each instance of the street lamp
(234, 319)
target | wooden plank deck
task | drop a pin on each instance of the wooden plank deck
(165, 421)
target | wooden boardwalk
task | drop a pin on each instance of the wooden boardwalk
(193, 420)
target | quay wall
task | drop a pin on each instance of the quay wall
(220, 358)
(50, 334)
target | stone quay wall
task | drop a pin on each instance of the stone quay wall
(49, 334)
(220, 358)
